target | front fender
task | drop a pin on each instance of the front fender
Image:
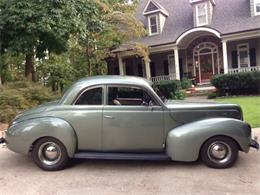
(22, 135)
(184, 142)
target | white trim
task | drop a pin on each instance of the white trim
(157, 24)
(216, 33)
(255, 12)
(243, 49)
(240, 36)
(206, 14)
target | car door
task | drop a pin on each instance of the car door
(85, 115)
(129, 123)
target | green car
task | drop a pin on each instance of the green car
(120, 117)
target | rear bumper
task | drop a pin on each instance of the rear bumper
(254, 143)
(2, 137)
(2, 140)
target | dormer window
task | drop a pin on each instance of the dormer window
(153, 23)
(156, 16)
(257, 7)
(201, 14)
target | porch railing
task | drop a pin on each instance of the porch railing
(163, 78)
(247, 69)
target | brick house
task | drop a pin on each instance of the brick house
(194, 39)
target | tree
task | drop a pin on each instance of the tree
(32, 27)
(115, 23)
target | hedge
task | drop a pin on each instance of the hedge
(20, 96)
(237, 84)
(169, 89)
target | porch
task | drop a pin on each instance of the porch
(196, 55)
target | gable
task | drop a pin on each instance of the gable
(152, 6)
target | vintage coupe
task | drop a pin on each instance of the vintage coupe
(120, 117)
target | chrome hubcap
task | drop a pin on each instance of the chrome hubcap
(49, 153)
(219, 152)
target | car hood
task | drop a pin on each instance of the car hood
(184, 111)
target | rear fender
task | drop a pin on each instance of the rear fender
(22, 135)
(184, 142)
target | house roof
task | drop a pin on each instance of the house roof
(229, 16)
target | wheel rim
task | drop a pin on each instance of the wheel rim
(219, 152)
(49, 153)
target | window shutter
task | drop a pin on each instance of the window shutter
(234, 59)
(252, 57)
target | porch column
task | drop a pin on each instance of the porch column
(225, 58)
(177, 66)
(121, 65)
(147, 69)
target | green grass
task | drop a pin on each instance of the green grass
(250, 106)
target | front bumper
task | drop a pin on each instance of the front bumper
(254, 143)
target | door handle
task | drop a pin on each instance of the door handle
(108, 117)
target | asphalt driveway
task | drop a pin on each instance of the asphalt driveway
(19, 175)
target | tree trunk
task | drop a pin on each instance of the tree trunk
(88, 58)
(29, 67)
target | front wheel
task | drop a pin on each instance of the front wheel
(219, 152)
(50, 154)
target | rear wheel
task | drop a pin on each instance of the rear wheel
(219, 152)
(50, 154)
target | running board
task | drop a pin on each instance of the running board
(121, 156)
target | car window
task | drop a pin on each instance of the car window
(128, 96)
(91, 97)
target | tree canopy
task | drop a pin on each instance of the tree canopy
(64, 38)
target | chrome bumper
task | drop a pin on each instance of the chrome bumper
(254, 143)
(2, 137)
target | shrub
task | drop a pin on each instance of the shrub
(169, 89)
(19, 96)
(237, 84)
(213, 95)
(186, 83)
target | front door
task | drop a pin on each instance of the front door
(206, 68)
(129, 123)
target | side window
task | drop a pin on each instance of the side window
(91, 97)
(128, 96)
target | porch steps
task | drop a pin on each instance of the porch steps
(202, 90)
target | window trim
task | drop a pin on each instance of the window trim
(87, 89)
(255, 12)
(157, 23)
(130, 86)
(206, 14)
(243, 49)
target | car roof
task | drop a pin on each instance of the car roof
(114, 79)
(83, 83)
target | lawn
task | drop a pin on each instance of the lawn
(250, 106)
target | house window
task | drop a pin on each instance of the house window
(243, 55)
(201, 13)
(257, 7)
(153, 23)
